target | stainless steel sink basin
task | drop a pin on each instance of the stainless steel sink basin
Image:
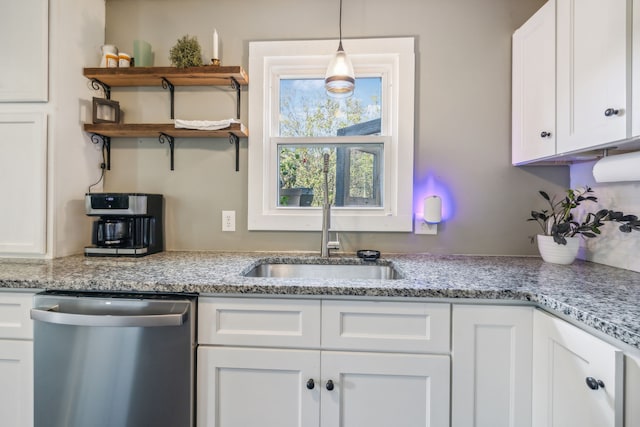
(324, 271)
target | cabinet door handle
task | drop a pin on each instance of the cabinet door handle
(545, 134)
(330, 385)
(593, 383)
(311, 384)
(611, 112)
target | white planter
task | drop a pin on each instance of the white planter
(558, 254)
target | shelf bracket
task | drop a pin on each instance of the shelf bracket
(97, 85)
(235, 85)
(106, 145)
(234, 139)
(162, 138)
(166, 84)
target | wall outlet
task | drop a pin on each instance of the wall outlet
(421, 227)
(228, 220)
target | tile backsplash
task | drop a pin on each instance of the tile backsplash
(612, 247)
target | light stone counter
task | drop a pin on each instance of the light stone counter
(604, 298)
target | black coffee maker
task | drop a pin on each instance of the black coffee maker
(130, 224)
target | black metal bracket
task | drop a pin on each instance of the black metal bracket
(166, 84)
(234, 139)
(235, 85)
(162, 138)
(106, 144)
(97, 85)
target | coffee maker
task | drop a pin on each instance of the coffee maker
(129, 224)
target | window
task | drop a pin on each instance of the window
(369, 136)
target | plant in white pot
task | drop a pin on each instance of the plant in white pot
(558, 242)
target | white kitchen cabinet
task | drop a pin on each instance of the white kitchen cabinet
(593, 73)
(23, 161)
(261, 362)
(23, 70)
(16, 383)
(42, 142)
(16, 359)
(635, 65)
(382, 390)
(259, 322)
(534, 87)
(386, 326)
(565, 360)
(491, 366)
(240, 387)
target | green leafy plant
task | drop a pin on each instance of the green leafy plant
(558, 221)
(186, 53)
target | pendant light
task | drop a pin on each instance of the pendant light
(340, 80)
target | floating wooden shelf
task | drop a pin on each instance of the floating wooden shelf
(167, 78)
(153, 130)
(153, 76)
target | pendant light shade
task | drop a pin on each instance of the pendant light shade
(340, 79)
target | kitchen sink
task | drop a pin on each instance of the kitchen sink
(324, 271)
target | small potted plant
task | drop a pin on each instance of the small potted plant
(558, 242)
(186, 53)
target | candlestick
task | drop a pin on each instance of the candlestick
(215, 44)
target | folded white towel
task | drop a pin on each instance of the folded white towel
(204, 124)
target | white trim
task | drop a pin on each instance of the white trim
(392, 57)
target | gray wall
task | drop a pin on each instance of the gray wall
(462, 118)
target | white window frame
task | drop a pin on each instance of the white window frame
(268, 62)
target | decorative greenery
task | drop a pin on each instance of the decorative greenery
(186, 53)
(290, 162)
(559, 221)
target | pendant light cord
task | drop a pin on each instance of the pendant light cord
(340, 27)
(340, 21)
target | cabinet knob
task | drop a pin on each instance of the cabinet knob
(611, 112)
(545, 134)
(593, 383)
(330, 385)
(311, 384)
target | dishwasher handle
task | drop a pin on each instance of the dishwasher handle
(52, 315)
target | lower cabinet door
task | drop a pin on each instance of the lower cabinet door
(16, 383)
(247, 387)
(577, 378)
(383, 390)
(491, 362)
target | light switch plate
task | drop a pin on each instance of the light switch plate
(421, 227)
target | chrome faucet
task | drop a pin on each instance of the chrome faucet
(326, 244)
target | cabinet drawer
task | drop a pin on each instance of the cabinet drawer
(259, 322)
(386, 326)
(15, 322)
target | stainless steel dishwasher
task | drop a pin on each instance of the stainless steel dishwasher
(113, 360)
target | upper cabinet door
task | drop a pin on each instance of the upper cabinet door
(635, 65)
(24, 60)
(593, 72)
(534, 87)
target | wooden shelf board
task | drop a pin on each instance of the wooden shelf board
(153, 130)
(152, 76)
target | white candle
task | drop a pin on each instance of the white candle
(215, 44)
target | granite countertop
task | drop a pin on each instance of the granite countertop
(601, 297)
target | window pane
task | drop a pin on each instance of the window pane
(354, 176)
(307, 110)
